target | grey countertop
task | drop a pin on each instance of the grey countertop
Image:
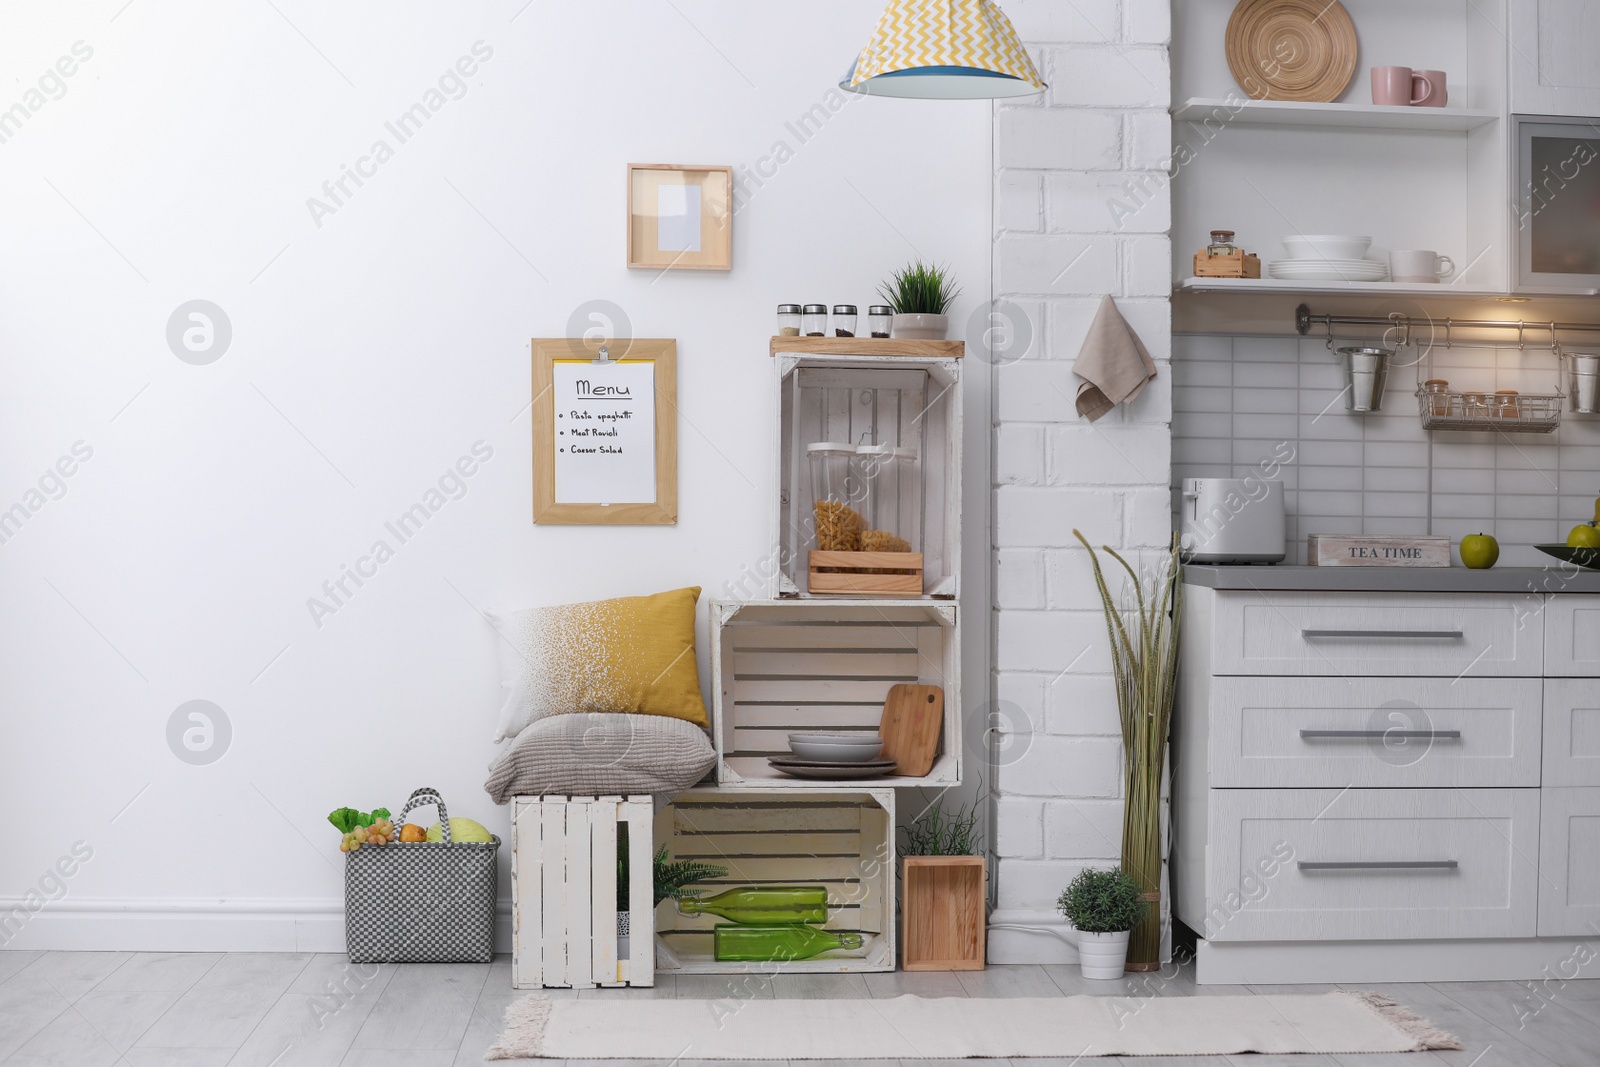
(1556, 579)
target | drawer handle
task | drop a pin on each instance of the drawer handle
(1420, 635)
(1379, 865)
(1380, 735)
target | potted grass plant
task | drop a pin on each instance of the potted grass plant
(943, 877)
(671, 877)
(921, 296)
(1144, 664)
(1103, 906)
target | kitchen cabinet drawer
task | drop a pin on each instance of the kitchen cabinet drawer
(1375, 732)
(1372, 864)
(1571, 731)
(1572, 649)
(1443, 635)
(1569, 862)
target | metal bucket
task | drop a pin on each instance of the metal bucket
(1366, 372)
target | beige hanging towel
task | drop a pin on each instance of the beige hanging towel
(1113, 363)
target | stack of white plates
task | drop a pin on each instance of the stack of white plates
(1328, 270)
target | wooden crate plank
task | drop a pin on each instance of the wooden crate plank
(819, 690)
(806, 664)
(639, 814)
(770, 843)
(553, 820)
(900, 636)
(527, 886)
(580, 876)
(603, 890)
(865, 716)
(738, 818)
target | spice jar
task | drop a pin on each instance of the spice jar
(1438, 394)
(814, 320)
(880, 318)
(1475, 405)
(788, 320)
(1221, 243)
(836, 486)
(1506, 405)
(844, 320)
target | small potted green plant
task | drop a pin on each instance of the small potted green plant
(671, 879)
(1103, 906)
(921, 296)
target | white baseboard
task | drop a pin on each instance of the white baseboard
(189, 925)
(1295, 962)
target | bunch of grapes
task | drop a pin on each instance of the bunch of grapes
(381, 832)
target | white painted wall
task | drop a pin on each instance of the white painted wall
(368, 353)
(1100, 138)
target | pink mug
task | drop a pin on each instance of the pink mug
(1396, 86)
(1439, 96)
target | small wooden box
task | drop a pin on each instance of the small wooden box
(564, 892)
(1355, 550)
(942, 913)
(1239, 265)
(865, 573)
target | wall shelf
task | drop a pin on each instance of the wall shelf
(1278, 285)
(1350, 116)
(868, 346)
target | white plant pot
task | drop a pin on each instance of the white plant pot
(1102, 955)
(920, 327)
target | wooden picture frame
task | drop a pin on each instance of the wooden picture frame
(550, 428)
(679, 217)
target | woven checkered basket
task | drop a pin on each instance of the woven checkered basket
(420, 902)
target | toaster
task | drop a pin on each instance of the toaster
(1232, 520)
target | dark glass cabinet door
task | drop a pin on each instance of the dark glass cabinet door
(1558, 210)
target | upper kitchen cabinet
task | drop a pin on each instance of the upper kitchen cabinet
(1409, 177)
(1554, 69)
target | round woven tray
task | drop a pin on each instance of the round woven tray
(1292, 49)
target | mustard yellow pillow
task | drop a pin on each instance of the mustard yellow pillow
(631, 654)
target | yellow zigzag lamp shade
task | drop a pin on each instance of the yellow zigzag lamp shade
(943, 50)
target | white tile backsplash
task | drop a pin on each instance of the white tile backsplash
(1236, 399)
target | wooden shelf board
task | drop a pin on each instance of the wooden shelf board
(868, 346)
(1278, 285)
(1352, 116)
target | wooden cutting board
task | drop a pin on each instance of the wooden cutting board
(912, 718)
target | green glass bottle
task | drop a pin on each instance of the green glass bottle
(735, 942)
(763, 904)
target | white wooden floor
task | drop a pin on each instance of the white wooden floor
(121, 1009)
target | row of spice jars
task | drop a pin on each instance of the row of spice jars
(811, 320)
(1502, 403)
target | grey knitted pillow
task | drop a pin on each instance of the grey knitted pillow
(601, 754)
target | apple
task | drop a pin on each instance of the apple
(1479, 551)
(1584, 535)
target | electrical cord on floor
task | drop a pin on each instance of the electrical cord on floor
(1064, 932)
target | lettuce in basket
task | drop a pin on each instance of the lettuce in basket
(346, 819)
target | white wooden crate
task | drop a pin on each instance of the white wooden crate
(819, 664)
(911, 401)
(564, 891)
(842, 839)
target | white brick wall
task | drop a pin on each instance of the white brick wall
(1082, 209)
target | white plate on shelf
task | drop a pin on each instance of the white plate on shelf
(1348, 270)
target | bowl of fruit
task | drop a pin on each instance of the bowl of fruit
(1583, 544)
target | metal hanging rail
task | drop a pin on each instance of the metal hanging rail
(1304, 320)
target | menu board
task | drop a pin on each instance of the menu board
(605, 431)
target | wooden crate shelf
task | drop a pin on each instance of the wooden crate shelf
(842, 839)
(564, 892)
(782, 666)
(859, 393)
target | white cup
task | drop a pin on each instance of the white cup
(1419, 266)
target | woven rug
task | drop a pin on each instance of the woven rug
(910, 1027)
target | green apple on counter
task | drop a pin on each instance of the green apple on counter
(1479, 551)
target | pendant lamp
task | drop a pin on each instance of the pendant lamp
(943, 50)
